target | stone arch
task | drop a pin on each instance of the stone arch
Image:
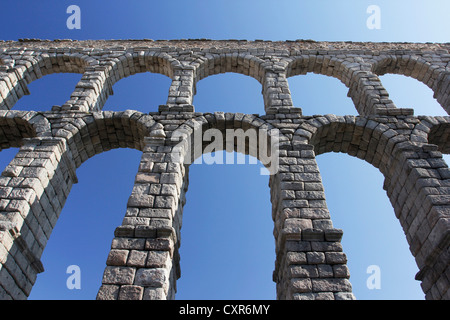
(158, 216)
(142, 91)
(53, 62)
(21, 71)
(138, 61)
(435, 76)
(32, 66)
(228, 92)
(94, 133)
(270, 143)
(365, 88)
(187, 150)
(241, 123)
(94, 207)
(308, 92)
(125, 65)
(414, 173)
(215, 63)
(12, 85)
(407, 65)
(347, 134)
(325, 65)
(231, 210)
(89, 135)
(46, 166)
(18, 126)
(244, 63)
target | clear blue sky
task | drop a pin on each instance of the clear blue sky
(227, 247)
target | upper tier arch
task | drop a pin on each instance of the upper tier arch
(18, 71)
(433, 73)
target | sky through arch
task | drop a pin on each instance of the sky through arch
(231, 254)
(319, 94)
(83, 233)
(143, 92)
(229, 92)
(50, 90)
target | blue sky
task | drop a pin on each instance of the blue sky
(227, 248)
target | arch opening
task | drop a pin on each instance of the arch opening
(374, 242)
(142, 61)
(410, 66)
(82, 236)
(32, 68)
(226, 238)
(408, 92)
(320, 94)
(47, 206)
(417, 68)
(240, 152)
(230, 63)
(142, 91)
(52, 89)
(409, 200)
(230, 92)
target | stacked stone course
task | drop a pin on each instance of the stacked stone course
(144, 261)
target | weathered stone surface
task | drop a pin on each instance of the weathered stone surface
(131, 292)
(151, 277)
(117, 257)
(310, 263)
(154, 294)
(118, 275)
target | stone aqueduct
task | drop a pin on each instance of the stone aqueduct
(144, 262)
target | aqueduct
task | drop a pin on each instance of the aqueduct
(143, 262)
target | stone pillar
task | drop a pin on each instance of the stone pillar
(310, 264)
(143, 263)
(276, 93)
(417, 183)
(12, 86)
(33, 190)
(370, 97)
(92, 91)
(181, 91)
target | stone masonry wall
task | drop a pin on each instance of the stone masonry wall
(144, 261)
